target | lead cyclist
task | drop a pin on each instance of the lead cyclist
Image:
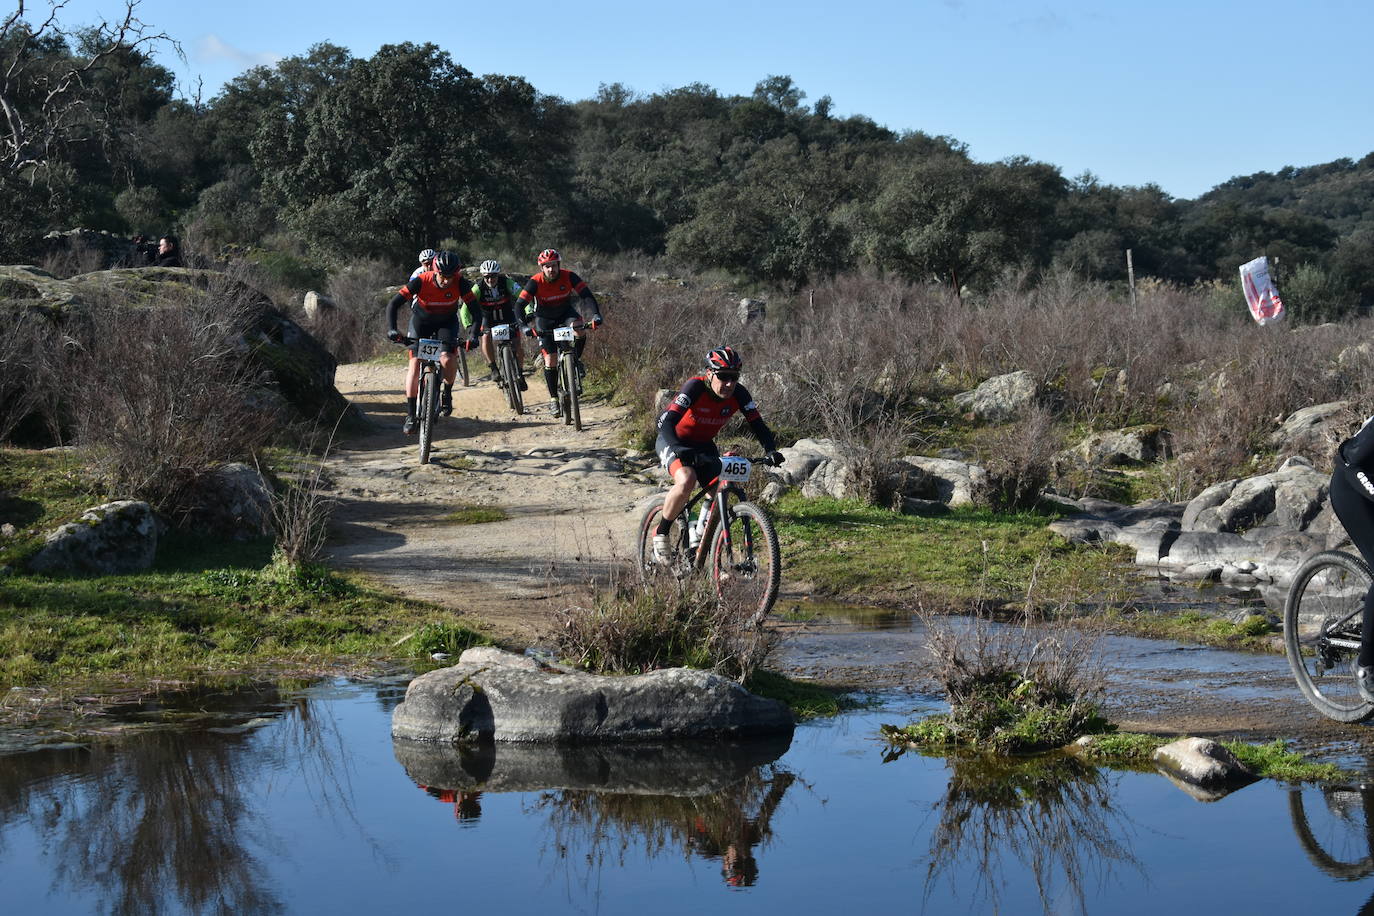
(687, 429)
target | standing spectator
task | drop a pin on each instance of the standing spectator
(168, 252)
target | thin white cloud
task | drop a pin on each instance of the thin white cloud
(212, 48)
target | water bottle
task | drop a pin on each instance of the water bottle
(696, 528)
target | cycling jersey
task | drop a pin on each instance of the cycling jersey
(695, 416)
(427, 297)
(552, 298)
(497, 305)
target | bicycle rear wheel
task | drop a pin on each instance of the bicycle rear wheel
(746, 562)
(463, 366)
(1322, 621)
(510, 370)
(428, 410)
(1336, 834)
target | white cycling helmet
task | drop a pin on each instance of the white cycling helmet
(490, 267)
(427, 255)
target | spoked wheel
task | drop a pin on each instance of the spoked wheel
(566, 394)
(677, 536)
(511, 370)
(429, 410)
(1322, 620)
(574, 394)
(463, 366)
(746, 563)
(1336, 832)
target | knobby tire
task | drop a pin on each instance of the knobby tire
(463, 365)
(429, 407)
(648, 523)
(1322, 620)
(746, 565)
(511, 370)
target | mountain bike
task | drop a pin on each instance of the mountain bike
(569, 384)
(731, 538)
(508, 367)
(1322, 620)
(427, 351)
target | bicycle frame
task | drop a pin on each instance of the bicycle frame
(719, 493)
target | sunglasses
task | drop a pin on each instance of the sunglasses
(728, 376)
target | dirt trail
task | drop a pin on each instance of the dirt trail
(569, 497)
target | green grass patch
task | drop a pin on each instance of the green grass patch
(806, 700)
(40, 490)
(475, 515)
(1275, 761)
(1254, 633)
(205, 606)
(847, 547)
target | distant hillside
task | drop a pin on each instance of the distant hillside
(1340, 193)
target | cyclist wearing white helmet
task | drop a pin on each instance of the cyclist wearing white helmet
(496, 295)
(426, 262)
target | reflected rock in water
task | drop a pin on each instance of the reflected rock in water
(654, 768)
(494, 695)
(1202, 768)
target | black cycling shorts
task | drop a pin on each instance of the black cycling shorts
(544, 327)
(443, 328)
(703, 457)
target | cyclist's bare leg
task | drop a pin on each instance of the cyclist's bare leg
(449, 363)
(488, 349)
(684, 482)
(413, 378)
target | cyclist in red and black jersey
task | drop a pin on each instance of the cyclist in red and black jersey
(435, 298)
(687, 430)
(548, 302)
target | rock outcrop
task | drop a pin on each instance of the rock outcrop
(497, 696)
(117, 537)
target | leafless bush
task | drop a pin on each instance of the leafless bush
(631, 625)
(1019, 458)
(301, 510)
(166, 395)
(32, 354)
(355, 328)
(79, 257)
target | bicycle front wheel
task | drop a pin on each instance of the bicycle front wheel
(510, 370)
(429, 407)
(565, 382)
(746, 562)
(1322, 622)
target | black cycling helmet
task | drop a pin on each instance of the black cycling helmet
(447, 263)
(723, 359)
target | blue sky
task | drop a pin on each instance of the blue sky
(1182, 94)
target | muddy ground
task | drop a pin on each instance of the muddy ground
(571, 499)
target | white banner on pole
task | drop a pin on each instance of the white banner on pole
(1260, 292)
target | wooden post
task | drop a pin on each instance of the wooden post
(1130, 275)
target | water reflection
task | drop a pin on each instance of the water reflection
(169, 821)
(1050, 817)
(713, 800)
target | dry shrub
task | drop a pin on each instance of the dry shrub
(1015, 686)
(33, 360)
(355, 328)
(167, 396)
(632, 624)
(1019, 458)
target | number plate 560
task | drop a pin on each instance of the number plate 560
(735, 470)
(428, 349)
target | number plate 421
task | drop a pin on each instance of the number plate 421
(735, 470)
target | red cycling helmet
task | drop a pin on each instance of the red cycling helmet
(549, 256)
(723, 358)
